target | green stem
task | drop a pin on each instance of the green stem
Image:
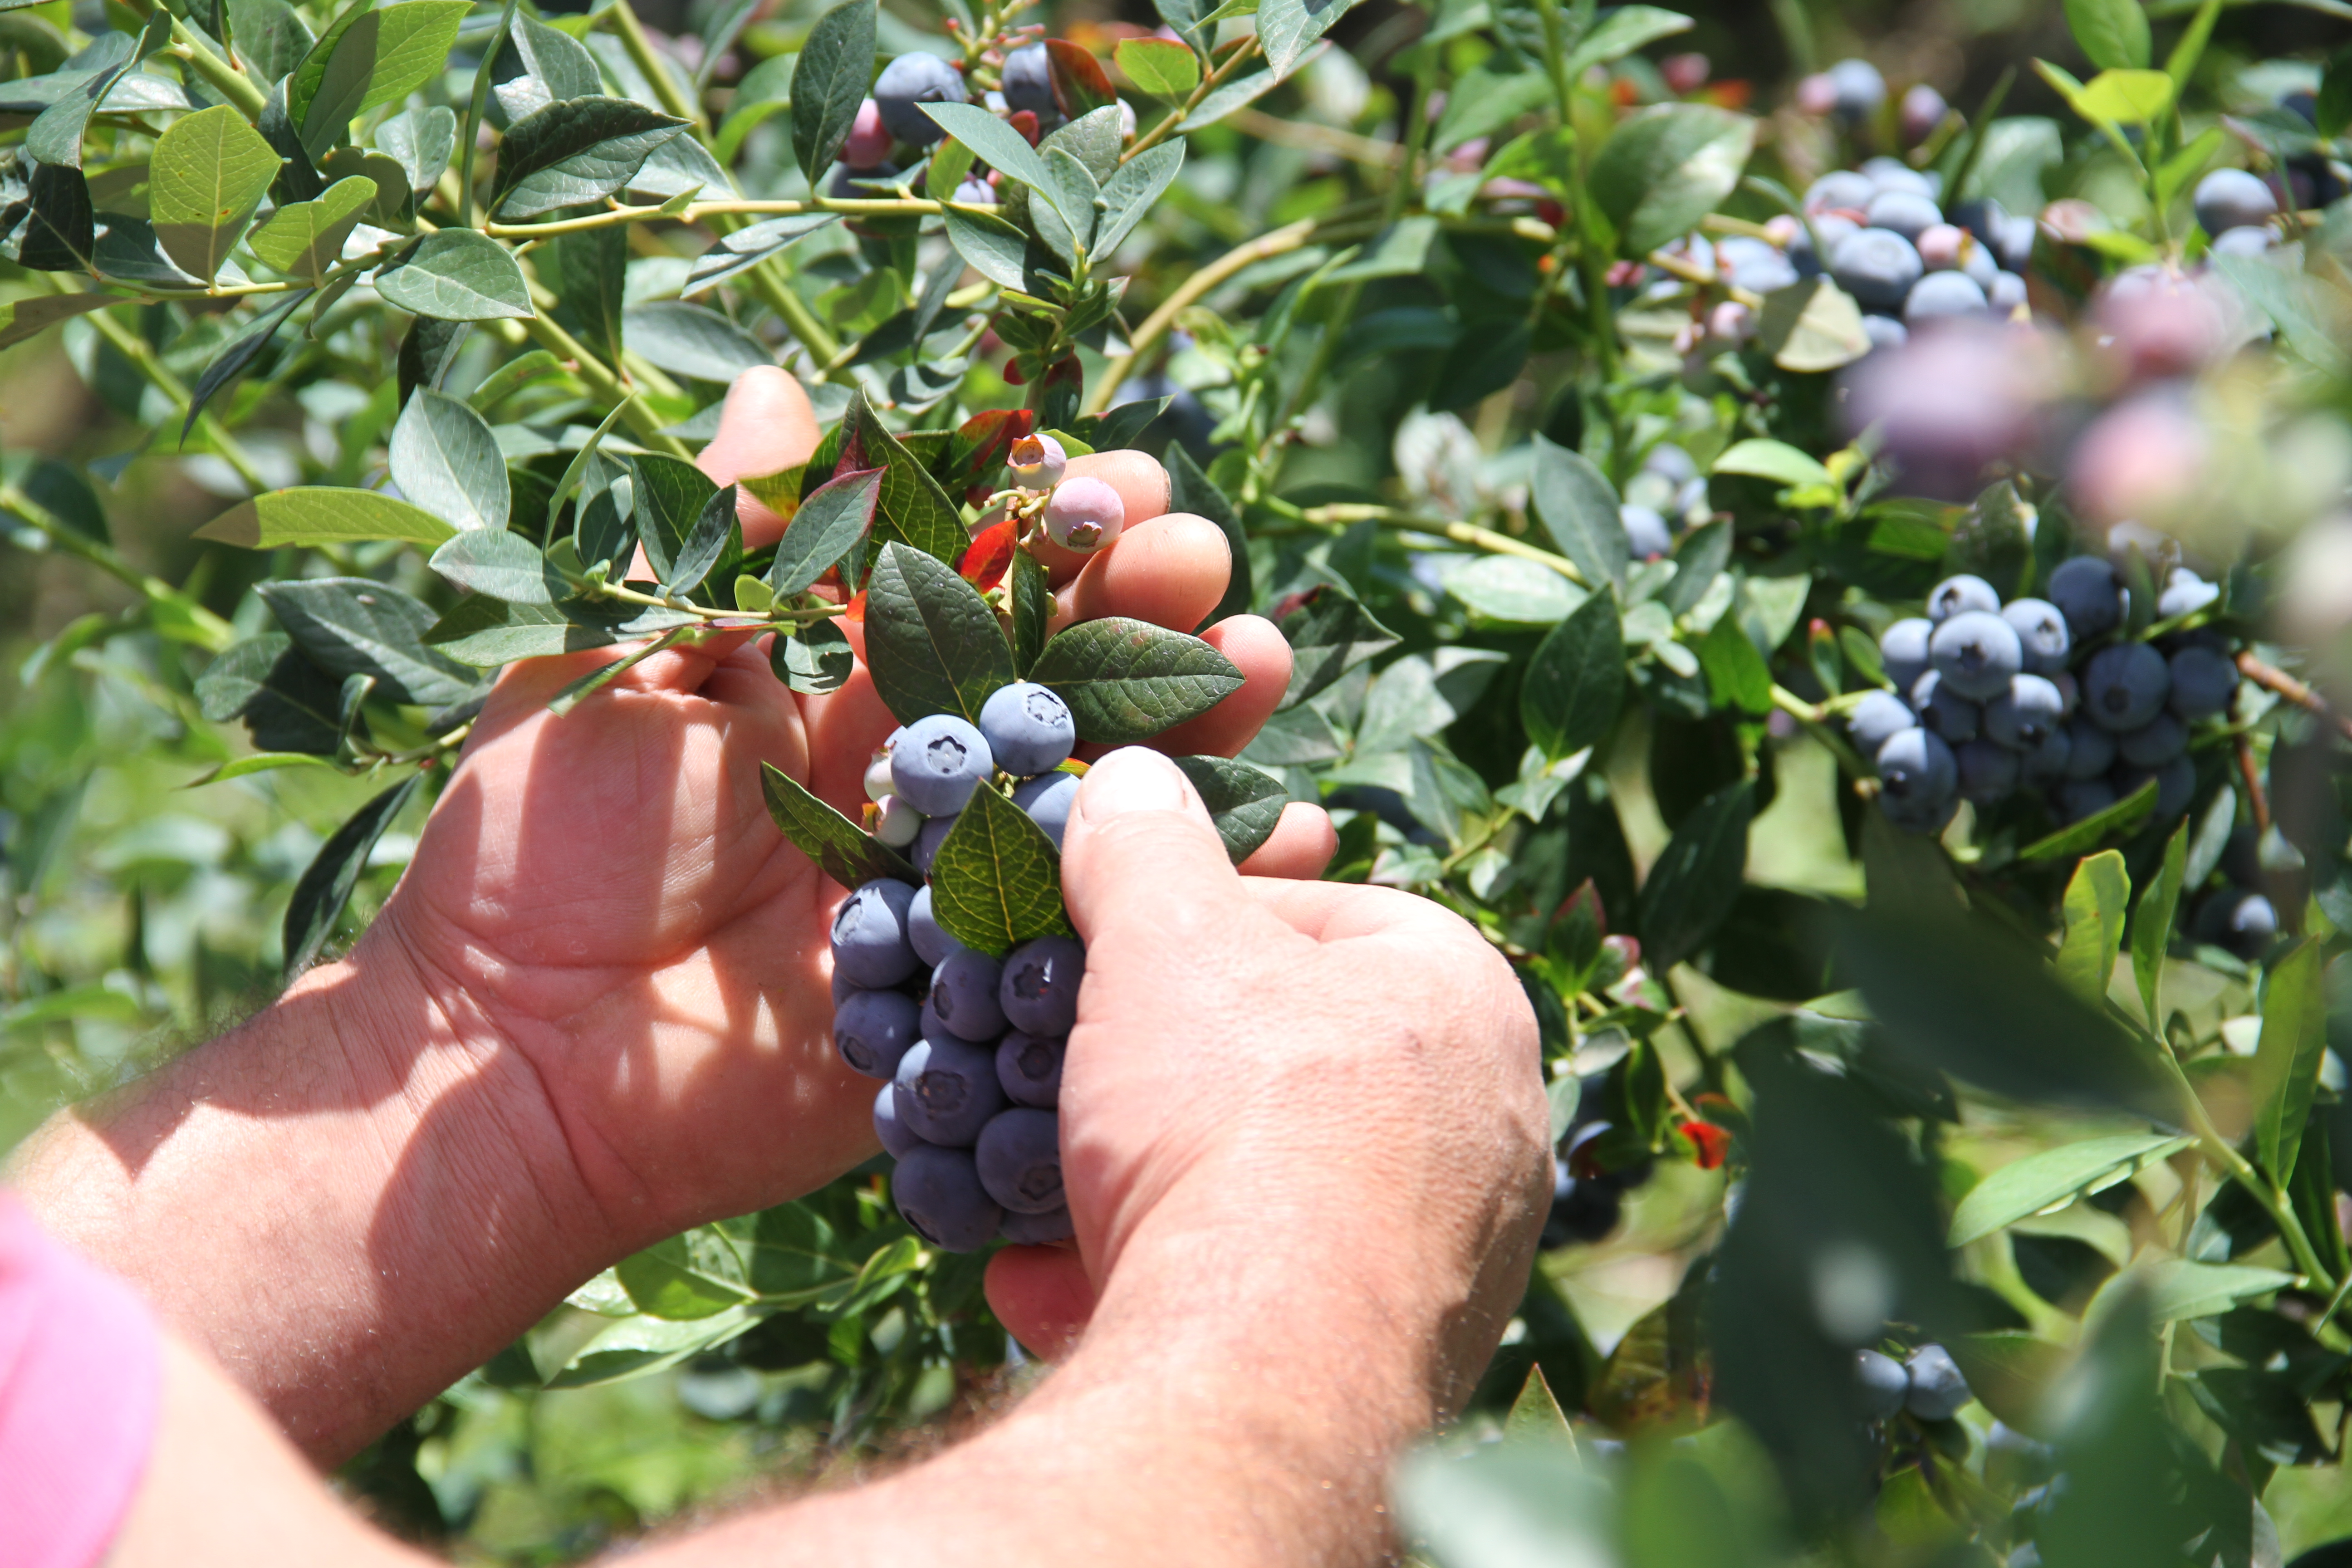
(769, 285)
(218, 632)
(601, 380)
(1470, 533)
(1290, 237)
(1815, 717)
(472, 134)
(189, 46)
(685, 608)
(700, 212)
(134, 348)
(1216, 79)
(2217, 1148)
(624, 21)
(1556, 58)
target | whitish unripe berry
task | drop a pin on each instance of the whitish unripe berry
(1084, 514)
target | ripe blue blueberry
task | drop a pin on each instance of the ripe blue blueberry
(1942, 294)
(1876, 266)
(849, 184)
(1876, 719)
(1029, 1067)
(1957, 596)
(1756, 265)
(1977, 653)
(2244, 923)
(963, 995)
(843, 987)
(2023, 716)
(2006, 292)
(2176, 783)
(2232, 198)
(872, 1029)
(1581, 1211)
(1889, 173)
(1020, 1160)
(938, 1193)
(2203, 682)
(2157, 742)
(2184, 592)
(1937, 1390)
(938, 764)
(1039, 991)
(1647, 533)
(934, 832)
(1859, 90)
(1048, 800)
(2046, 764)
(869, 936)
(1884, 332)
(947, 1091)
(1839, 188)
(1987, 773)
(1028, 729)
(1830, 228)
(2088, 595)
(1037, 1229)
(1944, 711)
(2041, 628)
(932, 943)
(1883, 1384)
(909, 81)
(1906, 213)
(1916, 765)
(2124, 686)
(1029, 82)
(1902, 649)
(2247, 239)
(896, 1142)
(2079, 798)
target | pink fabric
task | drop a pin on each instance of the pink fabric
(80, 1380)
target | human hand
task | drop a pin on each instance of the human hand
(1346, 1076)
(605, 893)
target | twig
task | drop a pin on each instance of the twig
(2270, 678)
(218, 632)
(2253, 777)
(1311, 138)
(1290, 236)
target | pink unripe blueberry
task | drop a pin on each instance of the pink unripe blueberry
(869, 143)
(1817, 94)
(1084, 514)
(1685, 73)
(1037, 461)
(1941, 246)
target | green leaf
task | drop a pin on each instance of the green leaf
(2096, 897)
(1621, 32)
(739, 252)
(1072, 190)
(589, 275)
(1130, 194)
(2124, 97)
(22, 319)
(367, 59)
(486, 632)
(1330, 632)
(260, 763)
(670, 495)
(997, 879)
(537, 65)
(829, 81)
(2056, 1176)
(61, 233)
(1238, 94)
(232, 359)
(421, 140)
(1690, 888)
(2303, 309)
(706, 543)
(209, 171)
(1285, 28)
(1812, 326)
(1127, 681)
(914, 510)
(352, 625)
(834, 517)
(2152, 925)
(1511, 590)
(2113, 34)
(2178, 1289)
(1665, 168)
(321, 514)
(1535, 1415)
(1161, 67)
(304, 239)
(288, 703)
(2286, 1061)
(1699, 560)
(665, 1283)
(816, 660)
(500, 564)
(694, 340)
(2120, 817)
(1775, 460)
(931, 641)
(1579, 507)
(1570, 696)
(840, 848)
(640, 1346)
(1245, 802)
(1191, 490)
(457, 275)
(327, 883)
(989, 246)
(445, 459)
(269, 36)
(1033, 610)
(579, 151)
(994, 141)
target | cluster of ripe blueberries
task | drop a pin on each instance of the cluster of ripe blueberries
(969, 1046)
(894, 114)
(2037, 694)
(1927, 1387)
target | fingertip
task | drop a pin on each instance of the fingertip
(1301, 845)
(1140, 481)
(1260, 652)
(1169, 570)
(766, 425)
(1042, 1296)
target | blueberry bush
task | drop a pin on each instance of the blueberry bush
(1820, 529)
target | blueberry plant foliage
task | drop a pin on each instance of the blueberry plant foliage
(1610, 444)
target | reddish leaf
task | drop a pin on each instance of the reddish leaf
(990, 555)
(1026, 122)
(1080, 84)
(856, 611)
(1710, 1144)
(983, 441)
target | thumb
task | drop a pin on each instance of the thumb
(1140, 849)
(1042, 1296)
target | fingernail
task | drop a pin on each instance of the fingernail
(1131, 779)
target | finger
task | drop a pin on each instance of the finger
(1262, 655)
(1303, 842)
(1140, 850)
(1169, 570)
(1042, 1296)
(1336, 911)
(1142, 487)
(765, 427)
